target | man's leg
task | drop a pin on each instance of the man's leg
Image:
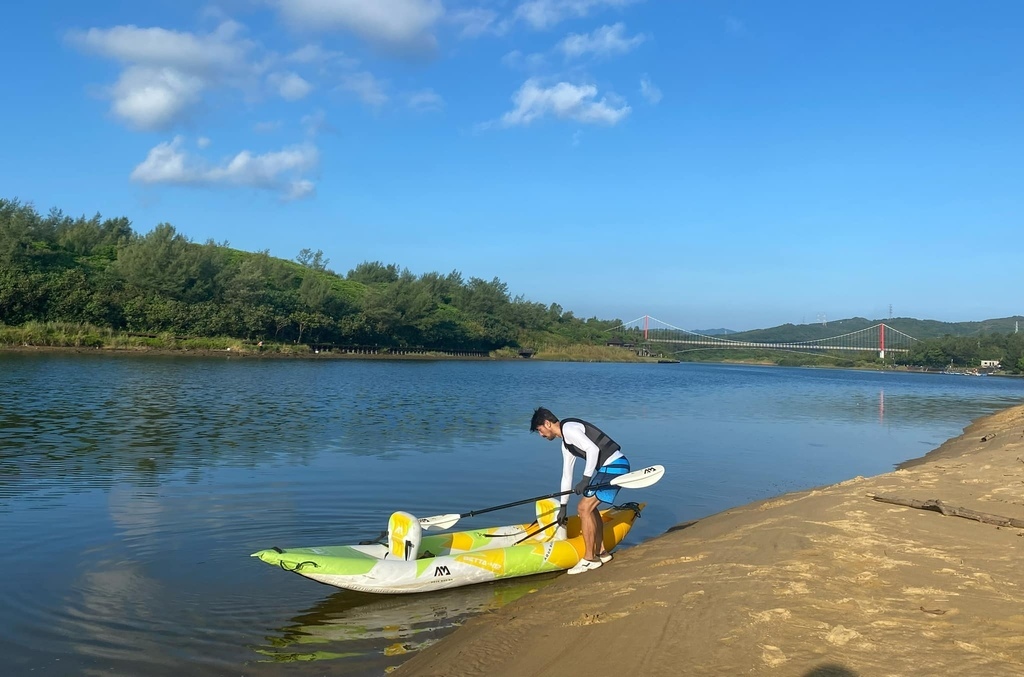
(592, 526)
(605, 475)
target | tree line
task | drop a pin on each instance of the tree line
(969, 351)
(101, 272)
(56, 268)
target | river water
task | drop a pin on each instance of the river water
(134, 488)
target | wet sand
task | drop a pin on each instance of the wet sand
(820, 583)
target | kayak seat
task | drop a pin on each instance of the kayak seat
(404, 535)
(547, 513)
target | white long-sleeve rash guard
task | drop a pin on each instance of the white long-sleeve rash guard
(575, 434)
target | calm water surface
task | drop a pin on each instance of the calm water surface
(134, 488)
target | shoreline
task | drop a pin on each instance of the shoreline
(426, 356)
(215, 352)
(455, 356)
(826, 582)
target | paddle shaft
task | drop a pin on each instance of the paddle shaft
(596, 487)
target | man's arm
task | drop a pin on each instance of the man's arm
(568, 461)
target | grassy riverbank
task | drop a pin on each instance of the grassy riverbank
(79, 337)
(87, 336)
(587, 353)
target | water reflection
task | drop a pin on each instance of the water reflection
(77, 422)
(347, 627)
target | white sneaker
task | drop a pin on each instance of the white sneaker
(584, 565)
(605, 558)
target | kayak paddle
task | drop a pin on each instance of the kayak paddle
(637, 479)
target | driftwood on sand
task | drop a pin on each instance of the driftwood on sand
(939, 506)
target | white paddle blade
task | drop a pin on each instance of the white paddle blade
(638, 479)
(439, 521)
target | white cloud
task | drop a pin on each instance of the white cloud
(280, 171)
(166, 72)
(543, 14)
(299, 189)
(316, 123)
(203, 142)
(649, 91)
(314, 54)
(309, 54)
(477, 21)
(154, 98)
(290, 86)
(604, 41)
(401, 25)
(366, 87)
(516, 60)
(216, 52)
(322, 59)
(564, 101)
(426, 100)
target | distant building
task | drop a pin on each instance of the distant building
(990, 364)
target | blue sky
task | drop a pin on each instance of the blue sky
(712, 164)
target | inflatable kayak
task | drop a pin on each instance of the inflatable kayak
(410, 562)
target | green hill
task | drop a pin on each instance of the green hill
(66, 281)
(919, 329)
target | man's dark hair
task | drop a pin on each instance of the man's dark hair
(539, 416)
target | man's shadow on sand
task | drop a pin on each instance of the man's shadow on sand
(830, 670)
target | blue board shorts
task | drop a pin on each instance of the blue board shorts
(605, 473)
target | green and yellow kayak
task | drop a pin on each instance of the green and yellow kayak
(411, 562)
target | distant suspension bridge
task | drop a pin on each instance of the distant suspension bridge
(880, 338)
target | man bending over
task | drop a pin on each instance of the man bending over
(602, 461)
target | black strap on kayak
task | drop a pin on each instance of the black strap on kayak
(380, 539)
(631, 505)
(503, 535)
(534, 533)
(298, 567)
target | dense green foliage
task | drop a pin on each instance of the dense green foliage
(969, 351)
(59, 269)
(782, 358)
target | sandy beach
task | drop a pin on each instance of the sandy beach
(823, 583)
